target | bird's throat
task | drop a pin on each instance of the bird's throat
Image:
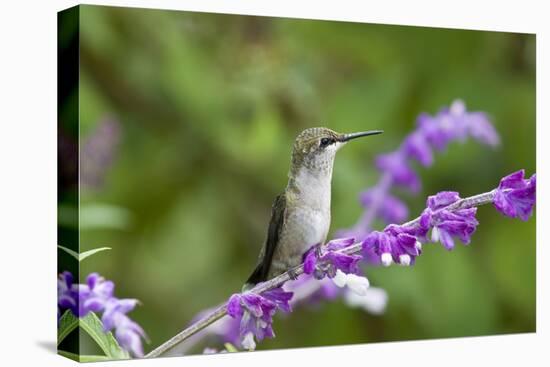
(310, 188)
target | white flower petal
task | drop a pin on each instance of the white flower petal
(435, 234)
(386, 259)
(248, 341)
(457, 108)
(357, 284)
(374, 301)
(405, 260)
(340, 279)
(418, 245)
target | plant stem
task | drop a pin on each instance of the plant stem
(221, 311)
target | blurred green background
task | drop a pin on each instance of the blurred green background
(206, 108)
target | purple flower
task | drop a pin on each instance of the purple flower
(391, 210)
(127, 332)
(96, 295)
(394, 244)
(331, 259)
(67, 294)
(395, 164)
(439, 130)
(446, 126)
(255, 313)
(480, 128)
(416, 146)
(515, 195)
(442, 199)
(448, 224)
(454, 123)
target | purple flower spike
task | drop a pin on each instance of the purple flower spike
(433, 133)
(439, 130)
(332, 259)
(255, 313)
(461, 223)
(392, 210)
(442, 199)
(480, 128)
(456, 123)
(396, 165)
(96, 295)
(67, 293)
(515, 196)
(280, 298)
(234, 308)
(416, 146)
(394, 244)
(310, 261)
(127, 332)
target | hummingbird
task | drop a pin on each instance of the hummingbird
(300, 216)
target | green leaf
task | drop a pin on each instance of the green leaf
(69, 251)
(82, 358)
(83, 255)
(67, 323)
(106, 341)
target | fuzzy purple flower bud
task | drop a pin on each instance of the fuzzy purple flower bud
(515, 195)
(96, 295)
(456, 123)
(480, 128)
(448, 224)
(394, 244)
(391, 210)
(460, 223)
(67, 293)
(439, 131)
(255, 313)
(127, 332)
(332, 259)
(442, 199)
(395, 164)
(416, 146)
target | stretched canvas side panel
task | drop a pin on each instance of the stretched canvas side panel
(67, 160)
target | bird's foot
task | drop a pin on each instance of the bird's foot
(318, 251)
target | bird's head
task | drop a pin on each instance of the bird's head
(316, 147)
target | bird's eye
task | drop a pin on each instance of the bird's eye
(325, 142)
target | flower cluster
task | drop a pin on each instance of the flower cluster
(447, 224)
(515, 196)
(326, 261)
(394, 244)
(391, 210)
(96, 295)
(255, 313)
(342, 268)
(433, 133)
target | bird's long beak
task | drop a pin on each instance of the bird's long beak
(347, 137)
